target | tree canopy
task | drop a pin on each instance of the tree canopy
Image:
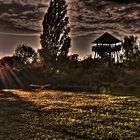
(25, 53)
(54, 39)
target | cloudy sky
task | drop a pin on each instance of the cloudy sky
(21, 22)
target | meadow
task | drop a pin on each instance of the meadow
(46, 114)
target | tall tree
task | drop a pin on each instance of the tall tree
(129, 46)
(54, 39)
(132, 52)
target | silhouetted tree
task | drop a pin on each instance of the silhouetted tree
(73, 61)
(131, 52)
(12, 61)
(55, 40)
(25, 53)
(129, 45)
(87, 63)
(7, 60)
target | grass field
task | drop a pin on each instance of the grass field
(57, 115)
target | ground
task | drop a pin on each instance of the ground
(44, 115)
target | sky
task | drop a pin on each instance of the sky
(21, 22)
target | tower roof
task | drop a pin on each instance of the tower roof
(107, 38)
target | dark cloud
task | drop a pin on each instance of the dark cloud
(88, 19)
(124, 1)
(23, 14)
(86, 16)
(109, 15)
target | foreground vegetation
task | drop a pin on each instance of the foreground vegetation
(48, 114)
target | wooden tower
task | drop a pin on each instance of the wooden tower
(106, 47)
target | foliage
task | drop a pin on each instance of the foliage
(55, 40)
(12, 61)
(129, 45)
(131, 53)
(25, 53)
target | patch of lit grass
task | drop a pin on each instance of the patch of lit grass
(66, 115)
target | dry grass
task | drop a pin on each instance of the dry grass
(57, 115)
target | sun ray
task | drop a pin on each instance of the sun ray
(8, 77)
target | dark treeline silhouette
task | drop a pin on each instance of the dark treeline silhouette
(52, 67)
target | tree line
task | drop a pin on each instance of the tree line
(51, 65)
